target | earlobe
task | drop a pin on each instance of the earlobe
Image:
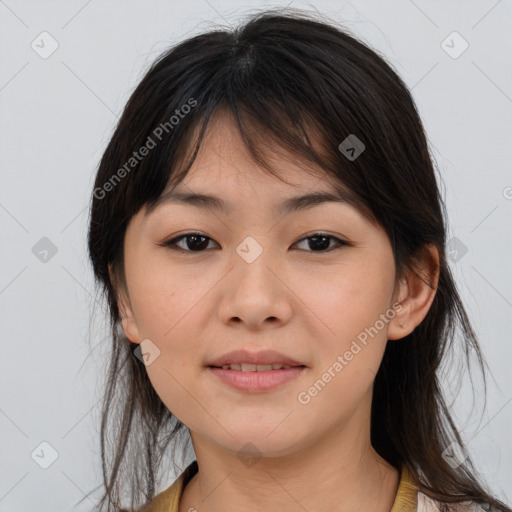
(416, 293)
(128, 322)
(130, 328)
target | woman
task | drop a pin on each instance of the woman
(267, 228)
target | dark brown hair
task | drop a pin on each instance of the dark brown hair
(286, 77)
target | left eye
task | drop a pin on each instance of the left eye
(198, 242)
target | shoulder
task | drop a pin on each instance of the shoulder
(168, 500)
(427, 504)
(410, 498)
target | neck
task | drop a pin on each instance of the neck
(349, 478)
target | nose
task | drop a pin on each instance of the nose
(256, 293)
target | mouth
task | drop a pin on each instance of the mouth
(255, 378)
(254, 371)
(249, 367)
(247, 361)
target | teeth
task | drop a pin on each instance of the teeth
(248, 367)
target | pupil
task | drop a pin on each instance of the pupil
(322, 245)
(195, 238)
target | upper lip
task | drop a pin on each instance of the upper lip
(262, 357)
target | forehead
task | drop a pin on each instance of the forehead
(224, 161)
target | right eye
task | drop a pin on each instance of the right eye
(194, 242)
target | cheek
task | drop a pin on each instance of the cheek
(167, 309)
(164, 299)
(350, 305)
(352, 298)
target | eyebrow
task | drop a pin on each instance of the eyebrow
(291, 204)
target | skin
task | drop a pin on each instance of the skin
(306, 303)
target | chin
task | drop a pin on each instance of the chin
(257, 443)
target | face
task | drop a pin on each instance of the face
(255, 278)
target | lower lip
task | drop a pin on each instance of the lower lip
(257, 381)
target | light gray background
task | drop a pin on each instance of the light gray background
(57, 114)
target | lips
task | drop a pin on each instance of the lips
(253, 361)
(248, 367)
(256, 381)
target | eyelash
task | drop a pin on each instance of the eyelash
(171, 244)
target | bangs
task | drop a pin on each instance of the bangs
(266, 134)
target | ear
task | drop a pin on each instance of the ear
(128, 322)
(415, 294)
